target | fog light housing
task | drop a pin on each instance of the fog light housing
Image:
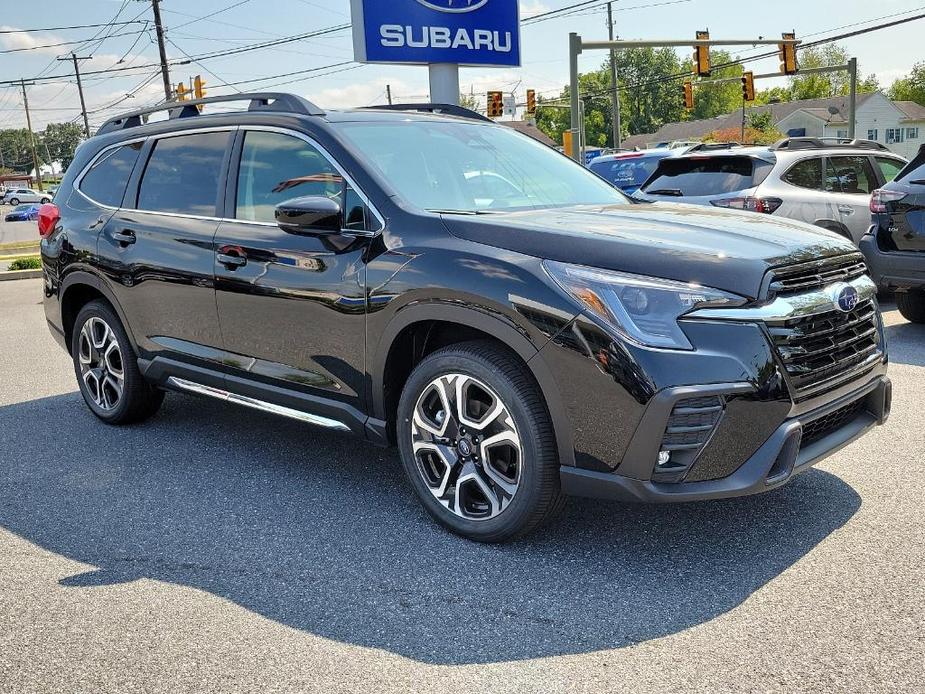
(687, 432)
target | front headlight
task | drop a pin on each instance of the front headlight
(644, 310)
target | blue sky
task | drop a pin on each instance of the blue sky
(889, 53)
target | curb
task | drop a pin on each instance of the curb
(20, 275)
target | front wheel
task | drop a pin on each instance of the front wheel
(107, 370)
(14, 201)
(45, 200)
(911, 305)
(477, 443)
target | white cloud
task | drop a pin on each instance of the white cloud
(531, 8)
(367, 93)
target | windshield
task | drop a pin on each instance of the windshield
(696, 176)
(625, 172)
(472, 168)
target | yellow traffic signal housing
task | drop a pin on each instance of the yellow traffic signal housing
(182, 92)
(688, 95)
(495, 104)
(788, 55)
(748, 86)
(199, 85)
(702, 55)
(531, 102)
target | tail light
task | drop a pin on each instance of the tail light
(879, 199)
(763, 205)
(49, 216)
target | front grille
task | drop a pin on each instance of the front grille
(823, 426)
(815, 274)
(826, 347)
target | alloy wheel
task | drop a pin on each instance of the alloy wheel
(466, 446)
(100, 360)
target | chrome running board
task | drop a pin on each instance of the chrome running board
(255, 404)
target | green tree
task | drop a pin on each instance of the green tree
(911, 87)
(61, 140)
(469, 101)
(828, 83)
(17, 154)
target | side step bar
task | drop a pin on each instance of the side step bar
(255, 404)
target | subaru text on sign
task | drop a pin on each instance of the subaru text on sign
(461, 32)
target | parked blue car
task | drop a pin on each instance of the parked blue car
(629, 170)
(23, 213)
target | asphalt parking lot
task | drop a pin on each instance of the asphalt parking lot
(217, 549)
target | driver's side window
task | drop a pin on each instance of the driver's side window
(277, 167)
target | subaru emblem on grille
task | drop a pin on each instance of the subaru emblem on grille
(846, 297)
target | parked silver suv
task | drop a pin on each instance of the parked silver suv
(823, 181)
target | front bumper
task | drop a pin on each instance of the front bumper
(894, 269)
(781, 457)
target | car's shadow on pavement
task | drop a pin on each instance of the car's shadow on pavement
(904, 343)
(321, 533)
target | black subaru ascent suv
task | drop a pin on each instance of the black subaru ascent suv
(422, 277)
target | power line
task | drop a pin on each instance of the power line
(65, 28)
(64, 43)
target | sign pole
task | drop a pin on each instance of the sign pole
(574, 41)
(444, 83)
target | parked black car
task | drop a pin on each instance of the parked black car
(357, 270)
(895, 245)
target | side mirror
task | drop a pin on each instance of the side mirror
(310, 214)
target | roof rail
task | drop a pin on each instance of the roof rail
(798, 143)
(709, 146)
(441, 109)
(259, 101)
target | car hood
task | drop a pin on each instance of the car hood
(725, 249)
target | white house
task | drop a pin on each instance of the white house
(900, 125)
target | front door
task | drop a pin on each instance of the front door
(851, 179)
(292, 307)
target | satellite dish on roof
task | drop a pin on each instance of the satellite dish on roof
(834, 110)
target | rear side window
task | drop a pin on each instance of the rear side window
(697, 176)
(851, 175)
(889, 168)
(182, 174)
(806, 174)
(105, 181)
(915, 169)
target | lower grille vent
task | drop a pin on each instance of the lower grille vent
(823, 426)
(690, 426)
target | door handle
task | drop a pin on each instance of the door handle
(124, 237)
(231, 260)
(844, 209)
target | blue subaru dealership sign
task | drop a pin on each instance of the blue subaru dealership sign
(418, 32)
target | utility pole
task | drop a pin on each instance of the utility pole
(35, 158)
(388, 93)
(853, 97)
(80, 90)
(159, 27)
(615, 95)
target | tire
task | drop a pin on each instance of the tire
(912, 305)
(14, 201)
(107, 369)
(509, 486)
(45, 200)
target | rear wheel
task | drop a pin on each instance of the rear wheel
(107, 370)
(45, 200)
(912, 305)
(477, 443)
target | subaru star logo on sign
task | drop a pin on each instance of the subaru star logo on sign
(460, 32)
(846, 297)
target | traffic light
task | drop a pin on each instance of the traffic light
(702, 55)
(199, 85)
(182, 92)
(688, 95)
(495, 104)
(788, 55)
(748, 86)
(531, 102)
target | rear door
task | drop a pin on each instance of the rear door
(851, 179)
(158, 249)
(292, 306)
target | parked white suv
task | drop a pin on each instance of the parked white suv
(823, 181)
(14, 196)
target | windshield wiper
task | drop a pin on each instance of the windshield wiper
(666, 191)
(451, 211)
